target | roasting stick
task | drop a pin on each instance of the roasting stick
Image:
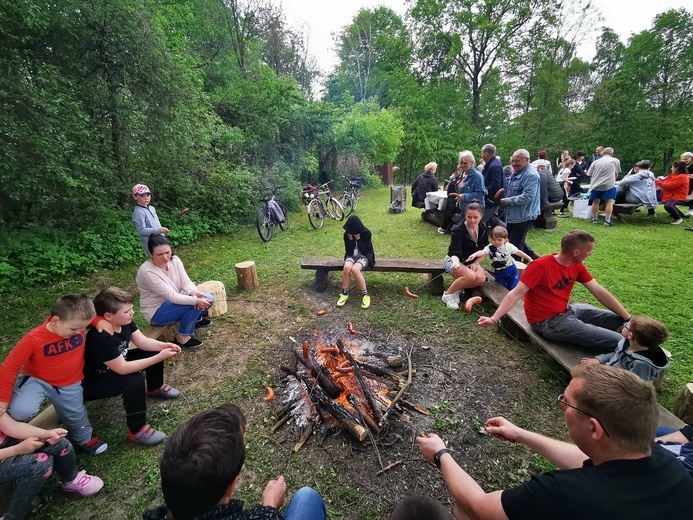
(359, 378)
(401, 390)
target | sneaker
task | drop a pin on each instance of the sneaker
(165, 392)
(147, 436)
(93, 446)
(595, 221)
(441, 231)
(204, 322)
(690, 212)
(84, 485)
(366, 301)
(192, 344)
(456, 296)
(650, 215)
(609, 223)
(689, 229)
(449, 300)
(342, 300)
(562, 215)
(677, 221)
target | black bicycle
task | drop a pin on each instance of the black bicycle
(273, 214)
(350, 198)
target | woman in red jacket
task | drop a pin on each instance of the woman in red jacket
(674, 190)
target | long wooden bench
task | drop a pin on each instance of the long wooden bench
(547, 220)
(48, 418)
(515, 324)
(324, 266)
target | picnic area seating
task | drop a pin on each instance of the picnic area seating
(324, 266)
(547, 219)
(515, 324)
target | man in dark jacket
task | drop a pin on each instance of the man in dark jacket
(494, 180)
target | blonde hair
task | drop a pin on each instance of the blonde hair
(499, 232)
(432, 167)
(624, 403)
(73, 307)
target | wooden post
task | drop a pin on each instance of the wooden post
(247, 275)
(683, 406)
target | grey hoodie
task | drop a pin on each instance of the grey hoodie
(645, 363)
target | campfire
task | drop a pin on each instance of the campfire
(345, 382)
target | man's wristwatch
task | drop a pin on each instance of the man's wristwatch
(436, 457)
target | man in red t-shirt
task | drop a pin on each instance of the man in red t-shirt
(546, 286)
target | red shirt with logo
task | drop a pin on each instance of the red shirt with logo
(550, 285)
(45, 355)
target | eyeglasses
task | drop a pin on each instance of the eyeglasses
(625, 326)
(563, 404)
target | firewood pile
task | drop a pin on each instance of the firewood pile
(344, 383)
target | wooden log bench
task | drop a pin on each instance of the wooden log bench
(48, 418)
(547, 220)
(324, 266)
(515, 324)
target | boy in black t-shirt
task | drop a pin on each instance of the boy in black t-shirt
(112, 369)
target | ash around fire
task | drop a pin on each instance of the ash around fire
(346, 381)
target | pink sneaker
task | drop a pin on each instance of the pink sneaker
(84, 485)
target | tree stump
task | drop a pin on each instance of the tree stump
(247, 275)
(683, 406)
(217, 290)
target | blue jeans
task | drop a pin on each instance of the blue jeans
(306, 504)
(583, 325)
(670, 207)
(188, 315)
(517, 233)
(28, 394)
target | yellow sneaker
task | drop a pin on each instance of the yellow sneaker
(342, 300)
(365, 301)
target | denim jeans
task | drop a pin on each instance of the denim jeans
(188, 315)
(583, 325)
(306, 504)
(508, 277)
(517, 233)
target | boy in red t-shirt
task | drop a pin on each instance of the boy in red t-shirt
(51, 359)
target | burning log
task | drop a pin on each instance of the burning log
(400, 393)
(363, 413)
(328, 385)
(336, 410)
(362, 384)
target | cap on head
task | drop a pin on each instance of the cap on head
(140, 189)
(687, 154)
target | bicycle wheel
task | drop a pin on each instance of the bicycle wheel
(355, 200)
(265, 227)
(335, 209)
(346, 201)
(284, 225)
(316, 215)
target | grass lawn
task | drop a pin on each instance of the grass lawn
(242, 349)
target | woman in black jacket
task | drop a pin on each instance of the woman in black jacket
(466, 238)
(423, 184)
(358, 254)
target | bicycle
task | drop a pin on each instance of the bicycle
(350, 198)
(317, 208)
(273, 214)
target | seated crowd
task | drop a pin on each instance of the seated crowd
(611, 414)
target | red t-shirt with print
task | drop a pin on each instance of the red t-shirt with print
(550, 285)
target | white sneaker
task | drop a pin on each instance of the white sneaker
(456, 294)
(690, 212)
(441, 231)
(449, 300)
(677, 221)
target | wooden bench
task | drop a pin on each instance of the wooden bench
(48, 418)
(324, 266)
(515, 324)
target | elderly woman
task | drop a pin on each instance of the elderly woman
(466, 238)
(424, 183)
(469, 187)
(167, 295)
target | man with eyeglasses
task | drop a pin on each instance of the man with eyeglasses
(613, 469)
(546, 286)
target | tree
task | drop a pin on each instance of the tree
(468, 39)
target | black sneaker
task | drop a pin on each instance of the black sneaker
(191, 345)
(93, 446)
(203, 322)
